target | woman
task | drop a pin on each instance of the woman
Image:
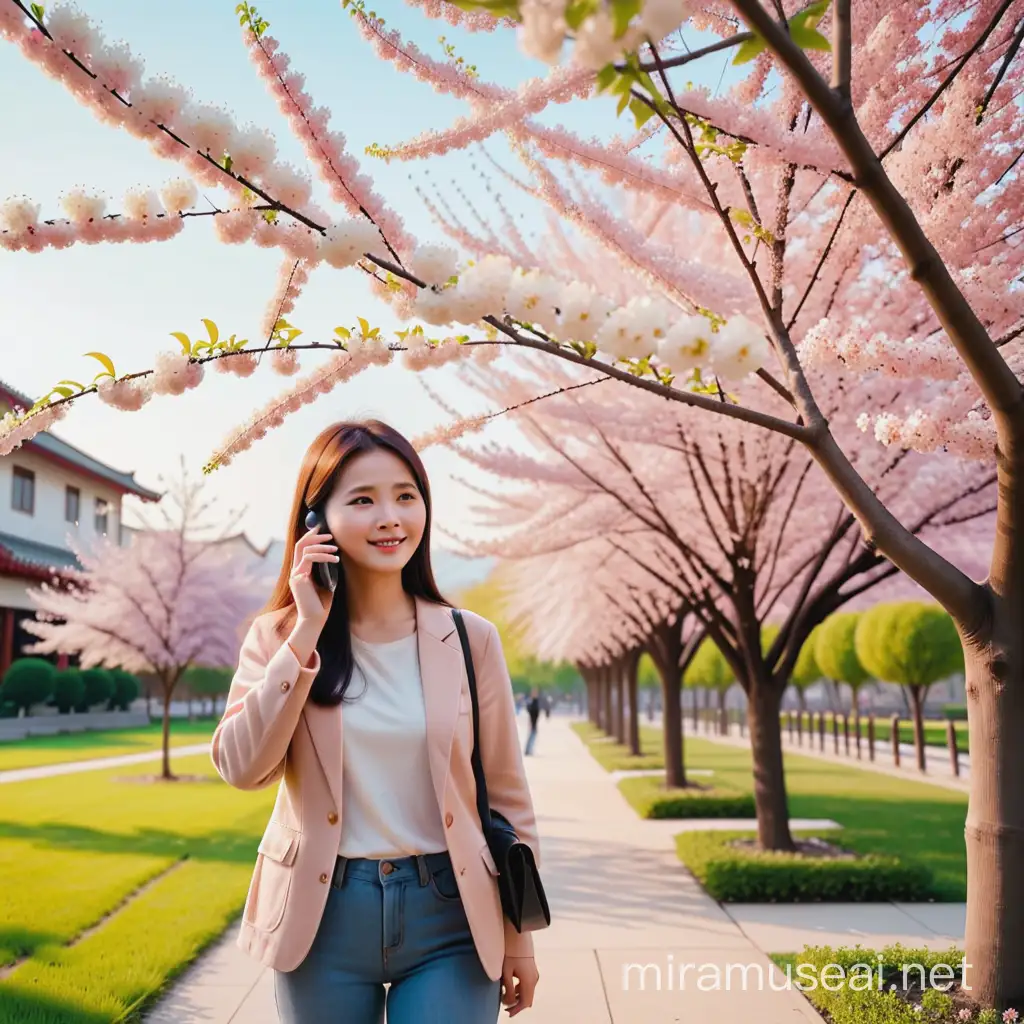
(373, 868)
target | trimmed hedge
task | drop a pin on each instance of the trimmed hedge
(701, 803)
(905, 986)
(736, 875)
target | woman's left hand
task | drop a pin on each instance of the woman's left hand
(524, 970)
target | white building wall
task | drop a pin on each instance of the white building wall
(47, 525)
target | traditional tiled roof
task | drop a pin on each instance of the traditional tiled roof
(20, 557)
(59, 450)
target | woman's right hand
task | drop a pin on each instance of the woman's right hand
(311, 604)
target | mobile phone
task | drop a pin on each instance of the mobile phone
(325, 573)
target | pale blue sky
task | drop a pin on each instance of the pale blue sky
(123, 300)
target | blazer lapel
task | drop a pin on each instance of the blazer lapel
(442, 670)
(325, 730)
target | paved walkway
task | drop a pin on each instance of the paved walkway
(619, 896)
(45, 771)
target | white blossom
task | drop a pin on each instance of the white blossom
(739, 348)
(81, 207)
(179, 194)
(583, 311)
(532, 298)
(18, 214)
(687, 344)
(346, 242)
(542, 29)
(140, 203)
(434, 264)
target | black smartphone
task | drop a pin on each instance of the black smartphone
(325, 573)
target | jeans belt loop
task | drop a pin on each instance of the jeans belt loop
(339, 872)
(421, 864)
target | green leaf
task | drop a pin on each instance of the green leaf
(642, 113)
(364, 325)
(748, 50)
(578, 11)
(73, 383)
(62, 391)
(809, 38)
(499, 8)
(186, 344)
(606, 77)
(37, 11)
(211, 330)
(106, 361)
(623, 11)
(811, 15)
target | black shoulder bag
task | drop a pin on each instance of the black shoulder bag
(522, 894)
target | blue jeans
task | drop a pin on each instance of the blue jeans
(530, 740)
(391, 921)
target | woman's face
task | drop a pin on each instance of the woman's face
(375, 501)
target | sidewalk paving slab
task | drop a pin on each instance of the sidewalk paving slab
(618, 895)
(46, 771)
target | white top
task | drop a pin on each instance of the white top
(389, 807)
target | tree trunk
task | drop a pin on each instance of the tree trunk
(917, 695)
(672, 724)
(769, 774)
(166, 740)
(633, 730)
(606, 702)
(994, 832)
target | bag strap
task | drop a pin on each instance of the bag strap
(482, 805)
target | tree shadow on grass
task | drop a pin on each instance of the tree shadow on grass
(14, 940)
(223, 847)
(20, 1007)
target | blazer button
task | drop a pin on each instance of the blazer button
(448, 819)
(286, 686)
(332, 818)
(323, 878)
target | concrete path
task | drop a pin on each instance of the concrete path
(45, 771)
(619, 897)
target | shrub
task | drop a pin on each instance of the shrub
(736, 875)
(699, 803)
(28, 681)
(918, 986)
(955, 712)
(68, 690)
(126, 689)
(98, 687)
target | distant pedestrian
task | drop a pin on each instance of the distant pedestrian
(547, 707)
(533, 710)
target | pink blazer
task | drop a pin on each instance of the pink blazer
(270, 733)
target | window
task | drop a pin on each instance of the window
(102, 520)
(72, 504)
(23, 494)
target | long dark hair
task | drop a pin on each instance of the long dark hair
(324, 461)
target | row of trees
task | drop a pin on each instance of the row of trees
(911, 644)
(861, 199)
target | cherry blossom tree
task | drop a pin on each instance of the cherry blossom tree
(167, 601)
(854, 201)
(741, 530)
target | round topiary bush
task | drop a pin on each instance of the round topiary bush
(28, 681)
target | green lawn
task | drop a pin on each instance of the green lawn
(111, 887)
(84, 746)
(879, 813)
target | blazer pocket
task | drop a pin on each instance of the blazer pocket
(272, 879)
